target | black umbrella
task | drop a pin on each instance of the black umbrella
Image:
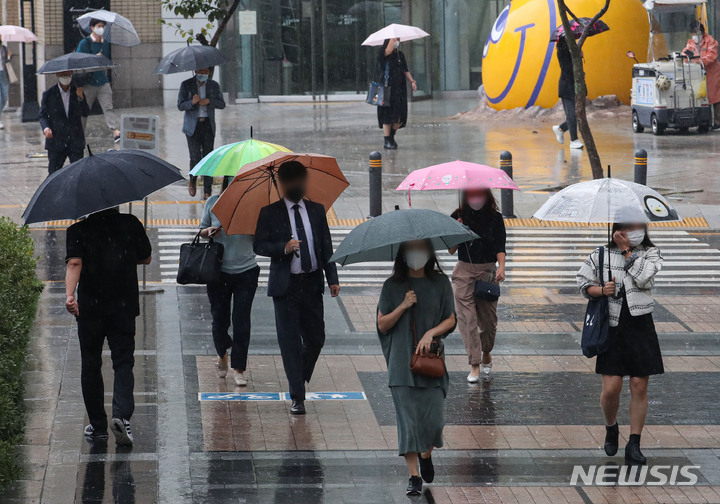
(192, 57)
(99, 182)
(577, 28)
(78, 62)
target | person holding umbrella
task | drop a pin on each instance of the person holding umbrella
(97, 87)
(198, 97)
(5, 55)
(391, 62)
(62, 109)
(632, 261)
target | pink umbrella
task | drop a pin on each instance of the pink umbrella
(12, 33)
(458, 175)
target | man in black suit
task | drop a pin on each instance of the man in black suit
(294, 233)
(61, 112)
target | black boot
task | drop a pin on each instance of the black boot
(392, 138)
(611, 439)
(389, 144)
(633, 455)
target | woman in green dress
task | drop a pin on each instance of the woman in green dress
(417, 291)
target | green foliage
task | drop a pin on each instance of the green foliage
(19, 292)
(215, 11)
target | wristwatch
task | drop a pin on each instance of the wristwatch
(626, 251)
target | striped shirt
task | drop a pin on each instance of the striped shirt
(636, 275)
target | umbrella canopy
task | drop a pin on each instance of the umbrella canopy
(78, 62)
(99, 182)
(12, 33)
(118, 29)
(577, 28)
(458, 175)
(607, 200)
(255, 187)
(403, 32)
(379, 239)
(226, 161)
(190, 58)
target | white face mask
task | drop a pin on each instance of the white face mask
(696, 38)
(397, 44)
(416, 259)
(477, 202)
(99, 30)
(636, 237)
(65, 81)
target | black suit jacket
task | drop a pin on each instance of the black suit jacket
(274, 231)
(67, 129)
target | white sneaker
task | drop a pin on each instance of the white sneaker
(240, 379)
(576, 144)
(486, 368)
(121, 429)
(559, 134)
(222, 367)
(471, 378)
(2, 126)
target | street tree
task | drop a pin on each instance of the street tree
(218, 12)
(575, 47)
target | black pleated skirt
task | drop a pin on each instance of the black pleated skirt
(634, 347)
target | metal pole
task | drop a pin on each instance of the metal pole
(506, 195)
(641, 167)
(375, 171)
(312, 49)
(145, 289)
(30, 107)
(324, 47)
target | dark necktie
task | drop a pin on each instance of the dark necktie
(305, 259)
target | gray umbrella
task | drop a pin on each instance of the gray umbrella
(78, 62)
(192, 57)
(378, 239)
(118, 29)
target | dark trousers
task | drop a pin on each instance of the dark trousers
(570, 118)
(200, 144)
(236, 291)
(299, 318)
(120, 333)
(56, 158)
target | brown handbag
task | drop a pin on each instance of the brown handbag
(430, 364)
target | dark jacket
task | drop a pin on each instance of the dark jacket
(189, 88)
(67, 130)
(274, 231)
(566, 85)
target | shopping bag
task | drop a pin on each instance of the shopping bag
(596, 329)
(379, 92)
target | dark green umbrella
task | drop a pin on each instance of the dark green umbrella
(378, 239)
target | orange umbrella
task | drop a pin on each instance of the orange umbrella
(255, 186)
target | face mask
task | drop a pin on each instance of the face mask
(202, 77)
(636, 237)
(65, 81)
(416, 259)
(696, 38)
(397, 44)
(99, 30)
(295, 193)
(477, 202)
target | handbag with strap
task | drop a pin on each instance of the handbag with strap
(12, 76)
(379, 93)
(200, 263)
(489, 291)
(430, 364)
(596, 330)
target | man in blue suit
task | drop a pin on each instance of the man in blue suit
(294, 233)
(198, 97)
(62, 108)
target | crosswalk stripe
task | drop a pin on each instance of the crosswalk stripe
(548, 256)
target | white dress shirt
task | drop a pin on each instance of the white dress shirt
(296, 264)
(65, 95)
(202, 93)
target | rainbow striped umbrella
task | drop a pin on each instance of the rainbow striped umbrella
(227, 160)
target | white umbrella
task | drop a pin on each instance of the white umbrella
(12, 33)
(118, 29)
(393, 31)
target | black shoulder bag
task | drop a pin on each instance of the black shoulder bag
(596, 330)
(200, 263)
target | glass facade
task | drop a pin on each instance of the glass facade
(313, 47)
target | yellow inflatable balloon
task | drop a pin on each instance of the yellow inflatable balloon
(520, 68)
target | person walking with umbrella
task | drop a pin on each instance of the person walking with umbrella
(632, 261)
(477, 316)
(97, 87)
(391, 63)
(566, 93)
(5, 55)
(198, 97)
(62, 109)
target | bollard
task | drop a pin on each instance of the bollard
(506, 195)
(641, 167)
(375, 171)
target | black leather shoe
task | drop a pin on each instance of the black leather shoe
(414, 486)
(633, 455)
(611, 439)
(427, 470)
(297, 408)
(389, 144)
